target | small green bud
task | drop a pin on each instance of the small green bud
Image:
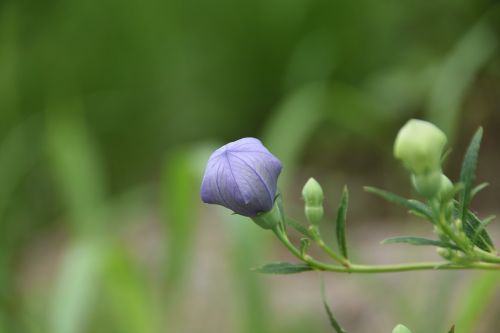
(312, 193)
(401, 329)
(419, 145)
(313, 197)
(314, 214)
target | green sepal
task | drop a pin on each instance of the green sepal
(283, 268)
(271, 219)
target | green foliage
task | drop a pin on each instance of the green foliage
(283, 268)
(468, 172)
(419, 241)
(333, 321)
(341, 222)
(414, 206)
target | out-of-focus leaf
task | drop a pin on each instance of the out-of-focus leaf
(468, 172)
(292, 124)
(412, 205)
(341, 223)
(456, 74)
(283, 268)
(76, 165)
(333, 322)
(475, 300)
(452, 329)
(76, 288)
(418, 241)
(126, 290)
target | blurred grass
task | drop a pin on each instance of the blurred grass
(109, 109)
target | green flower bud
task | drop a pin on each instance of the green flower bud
(419, 145)
(427, 184)
(313, 197)
(401, 329)
(312, 193)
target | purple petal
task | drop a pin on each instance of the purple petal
(242, 176)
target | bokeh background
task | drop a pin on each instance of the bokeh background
(109, 110)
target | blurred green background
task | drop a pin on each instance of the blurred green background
(109, 110)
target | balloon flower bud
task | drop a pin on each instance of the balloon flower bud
(242, 176)
(401, 329)
(419, 145)
(313, 197)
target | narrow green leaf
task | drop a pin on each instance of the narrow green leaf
(298, 227)
(475, 230)
(341, 222)
(413, 205)
(283, 268)
(333, 322)
(478, 189)
(468, 172)
(418, 241)
(452, 329)
(484, 224)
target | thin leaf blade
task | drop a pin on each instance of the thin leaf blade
(341, 223)
(468, 171)
(419, 241)
(333, 322)
(283, 268)
(413, 205)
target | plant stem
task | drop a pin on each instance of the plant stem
(353, 268)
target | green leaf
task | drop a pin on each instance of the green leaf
(475, 230)
(283, 268)
(418, 241)
(468, 172)
(341, 222)
(298, 227)
(452, 329)
(333, 322)
(415, 206)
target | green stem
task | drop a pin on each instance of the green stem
(379, 268)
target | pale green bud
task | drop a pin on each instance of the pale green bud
(312, 193)
(419, 145)
(313, 197)
(401, 329)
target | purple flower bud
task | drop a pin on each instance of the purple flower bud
(241, 176)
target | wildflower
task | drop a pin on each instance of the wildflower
(242, 176)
